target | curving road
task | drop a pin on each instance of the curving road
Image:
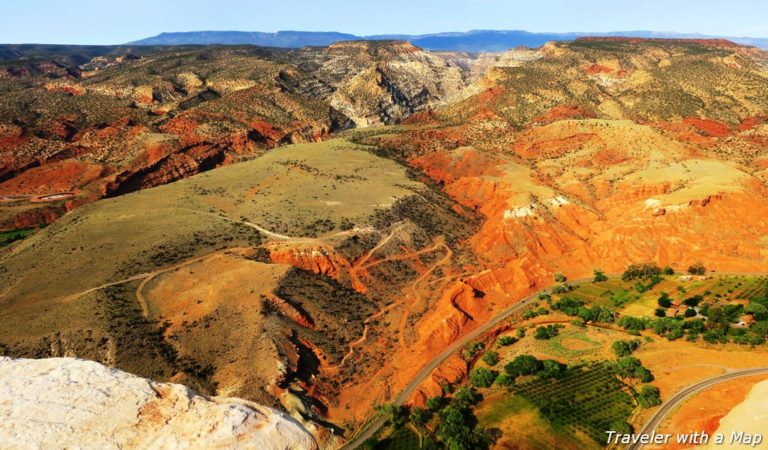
(686, 393)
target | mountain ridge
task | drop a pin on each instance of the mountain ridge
(468, 41)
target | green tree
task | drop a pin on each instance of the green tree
(648, 396)
(697, 269)
(664, 300)
(523, 365)
(506, 340)
(395, 414)
(471, 350)
(505, 380)
(631, 367)
(552, 369)
(457, 430)
(599, 276)
(419, 417)
(435, 403)
(466, 397)
(546, 332)
(482, 377)
(491, 358)
(625, 348)
(640, 271)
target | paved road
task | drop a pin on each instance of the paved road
(686, 393)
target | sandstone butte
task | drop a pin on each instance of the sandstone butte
(70, 403)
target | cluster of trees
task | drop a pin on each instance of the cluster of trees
(627, 366)
(576, 308)
(506, 340)
(631, 367)
(547, 332)
(648, 396)
(471, 350)
(625, 348)
(717, 328)
(531, 313)
(522, 365)
(455, 425)
(640, 272)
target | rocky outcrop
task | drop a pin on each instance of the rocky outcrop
(70, 403)
(747, 420)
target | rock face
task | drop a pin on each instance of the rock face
(70, 403)
(747, 420)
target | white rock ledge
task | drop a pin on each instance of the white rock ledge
(68, 403)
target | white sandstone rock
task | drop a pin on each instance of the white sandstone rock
(68, 403)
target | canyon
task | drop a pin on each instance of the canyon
(307, 228)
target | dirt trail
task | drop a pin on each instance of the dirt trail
(414, 292)
(244, 222)
(360, 264)
(146, 277)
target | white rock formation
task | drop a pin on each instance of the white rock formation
(744, 422)
(61, 403)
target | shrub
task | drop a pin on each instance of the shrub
(664, 300)
(523, 365)
(546, 332)
(505, 380)
(697, 269)
(491, 358)
(640, 271)
(471, 350)
(648, 396)
(599, 276)
(435, 403)
(506, 340)
(693, 301)
(482, 377)
(466, 397)
(625, 348)
(559, 278)
(552, 369)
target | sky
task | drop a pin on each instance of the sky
(111, 22)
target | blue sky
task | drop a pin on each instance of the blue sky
(105, 22)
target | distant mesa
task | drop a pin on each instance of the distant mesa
(469, 41)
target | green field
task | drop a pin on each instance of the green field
(589, 399)
(555, 345)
